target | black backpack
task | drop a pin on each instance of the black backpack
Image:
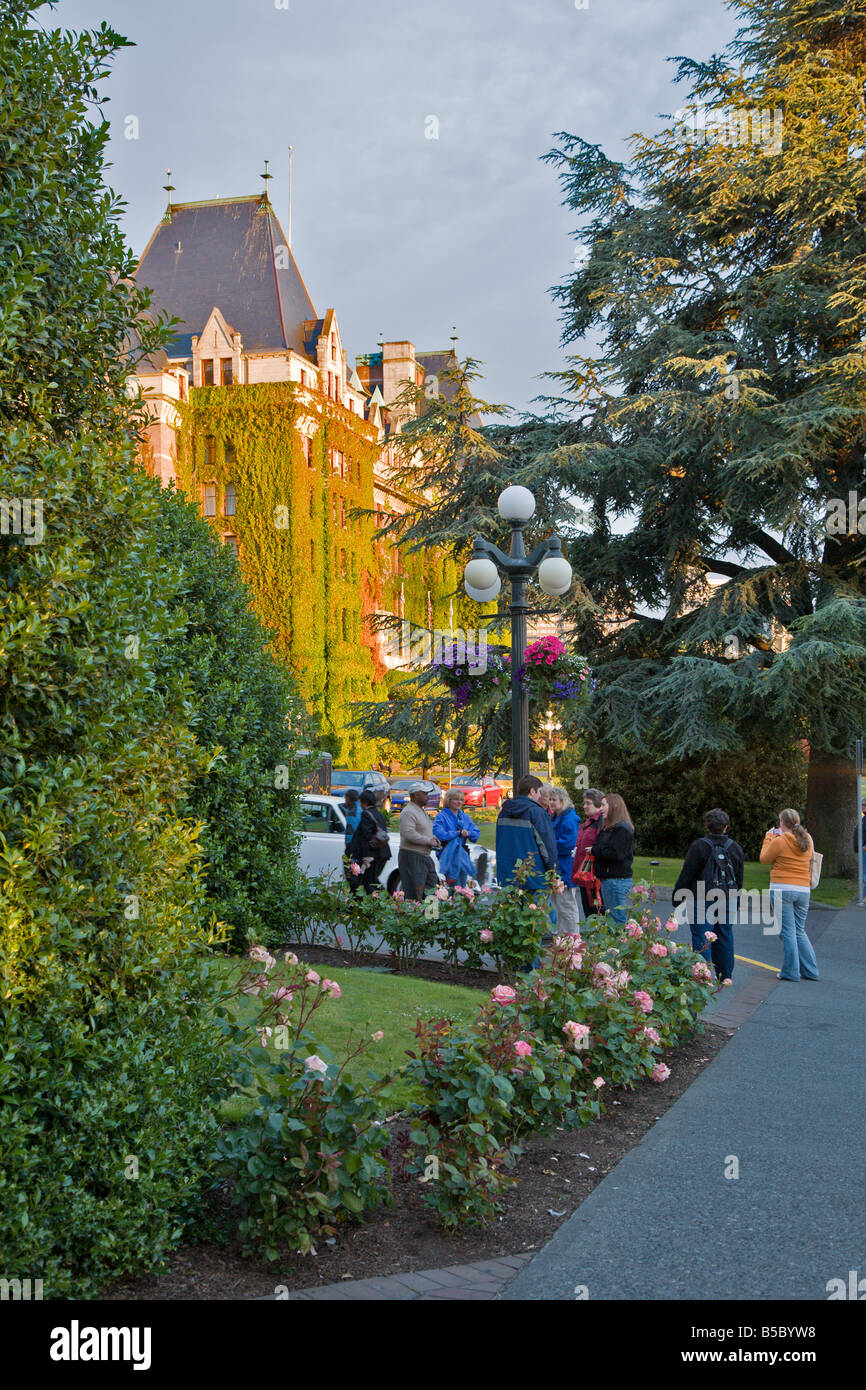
(719, 871)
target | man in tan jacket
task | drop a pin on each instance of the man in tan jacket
(417, 870)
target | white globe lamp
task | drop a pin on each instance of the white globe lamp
(516, 505)
(555, 575)
(483, 595)
(481, 573)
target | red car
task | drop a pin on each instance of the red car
(479, 791)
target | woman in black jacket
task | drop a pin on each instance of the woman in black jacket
(370, 848)
(614, 855)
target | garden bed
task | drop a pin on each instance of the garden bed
(435, 970)
(555, 1175)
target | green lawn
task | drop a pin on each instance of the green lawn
(373, 1001)
(835, 892)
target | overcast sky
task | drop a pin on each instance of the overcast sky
(402, 234)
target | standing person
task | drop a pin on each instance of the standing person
(351, 808)
(566, 823)
(593, 819)
(856, 839)
(614, 855)
(455, 831)
(788, 849)
(718, 862)
(370, 846)
(524, 831)
(417, 870)
(544, 791)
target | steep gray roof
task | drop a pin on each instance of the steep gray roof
(227, 259)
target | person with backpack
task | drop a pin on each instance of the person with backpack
(788, 849)
(710, 879)
(370, 846)
(614, 855)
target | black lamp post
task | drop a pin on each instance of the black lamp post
(483, 580)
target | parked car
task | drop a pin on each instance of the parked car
(400, 793)
(323, 843)
(342, 778)
(479, 791)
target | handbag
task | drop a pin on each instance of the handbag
(815, 869)
(585, 877)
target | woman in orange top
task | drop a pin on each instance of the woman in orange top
(788, 850)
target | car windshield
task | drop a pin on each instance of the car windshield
(465, 781)
(341, 778)
(403, 783)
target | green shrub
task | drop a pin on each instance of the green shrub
(109, 1065)
(667, 800)
(241, 701)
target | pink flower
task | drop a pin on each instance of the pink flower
(283, 993)
(660, 1072)
(311, 977)
(657, 949)
(701, 971)
(559, 886)
(290, 958)
(264, 1034)
(577, 1032)
(540, 992)
(602, 969)
(599, 1082)
(486, 888)
(340, 941)
(255, 986)
(621, 979)
(532, 907)
(643, 1000)
(634, 930)
(259, 953)
(503, 994)
(399, 895)
(485, 935)
(331, 987)
(315, 1063)
(378, 1035)
(522, 1048)
(710, 936)
(354, 869)
(670, 924)
(651, 1035)
(640, 890)
(442, 892)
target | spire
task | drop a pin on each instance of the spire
(266, 175)
(169, 188)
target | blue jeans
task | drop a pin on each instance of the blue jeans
(798, 954)
(720, 952)
(614, 892)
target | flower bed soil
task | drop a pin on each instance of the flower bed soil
(555, 1175)
(435, 970)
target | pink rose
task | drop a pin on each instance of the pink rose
(621, 979)
(643, 1000)
(355, 869)
(442, 892)
(657, 949)
(670, 924)
(290, 959)
(651, 1035)
(532, 907)
(340, 941)
(701, 971)
(399, 895)
(710, 936)
(331, 987)
(599, 1082)
(577, 1032)
(259, 953)
(634, 930)
(602, 969)
(311, 977)
(660, 1072)
(315, 1063)
(378, 1035)
(485, 935)
(283, 993)
(522, 1049)
(264, 1034)
(503, 994)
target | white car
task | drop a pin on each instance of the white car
(323, 844)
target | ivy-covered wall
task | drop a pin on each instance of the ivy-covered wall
(308, 561)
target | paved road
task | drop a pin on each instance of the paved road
(782, 1105)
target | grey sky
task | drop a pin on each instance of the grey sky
(401, 234)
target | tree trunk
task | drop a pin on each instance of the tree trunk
(831, 814)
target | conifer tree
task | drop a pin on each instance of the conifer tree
(721, 425)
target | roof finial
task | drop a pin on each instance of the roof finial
(169, 188)
(454, 338)
(266, 176)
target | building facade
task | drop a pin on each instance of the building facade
(256, 414)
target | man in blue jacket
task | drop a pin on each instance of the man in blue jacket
(524, 831)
